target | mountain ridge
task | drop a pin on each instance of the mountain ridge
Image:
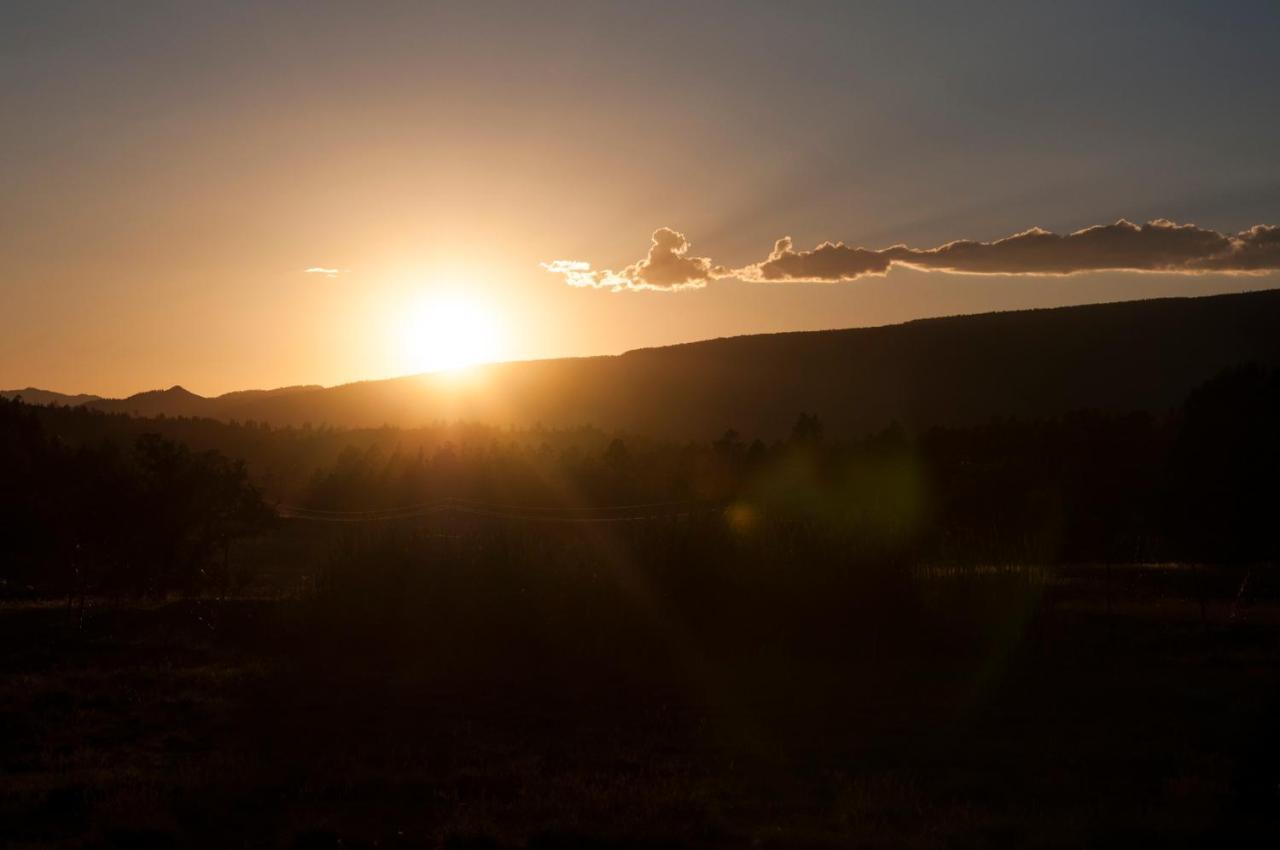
(1132, 355)
(35, 395)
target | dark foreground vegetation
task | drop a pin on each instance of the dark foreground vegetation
(1059, 633)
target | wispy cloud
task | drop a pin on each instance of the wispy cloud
(1157, 246)
(324, 271)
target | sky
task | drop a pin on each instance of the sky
(170, 172)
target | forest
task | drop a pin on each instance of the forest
(153, 505)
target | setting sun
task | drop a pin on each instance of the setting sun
(442, 333)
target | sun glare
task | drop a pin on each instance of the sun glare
(446, 333)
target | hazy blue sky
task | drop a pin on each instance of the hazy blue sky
(168, 170)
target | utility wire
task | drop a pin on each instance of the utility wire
(473, 507)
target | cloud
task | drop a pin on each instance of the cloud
(667, 268)
(1157, 246)
(1254, 250)
(324, 271)
(1160, 245)
(829, 261)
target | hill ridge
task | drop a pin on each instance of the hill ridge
(1125, 355)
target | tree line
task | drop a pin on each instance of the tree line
(1198, 484)
(153, 505)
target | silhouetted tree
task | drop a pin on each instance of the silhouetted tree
(155, 519)
(616, 455)
(807, 430)
(1223, 499)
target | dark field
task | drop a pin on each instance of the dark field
(1063, 707)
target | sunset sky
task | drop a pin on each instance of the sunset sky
(264, 194)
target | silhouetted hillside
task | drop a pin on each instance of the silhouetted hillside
(175, 401)
(31, 395)
(179, 401)
(1136, 355)
(1142, 355)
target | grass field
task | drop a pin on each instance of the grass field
(1100, 709)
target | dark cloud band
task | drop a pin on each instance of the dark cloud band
(1157, 246)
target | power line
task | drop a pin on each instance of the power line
(498, 510)
(371, 512)
(578, 519)
(565, 509)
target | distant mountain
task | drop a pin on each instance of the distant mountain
(31, 395)
(179, 401)
(175, 401)
(1139, 355)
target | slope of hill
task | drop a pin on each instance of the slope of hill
(234, 398)
(1127, 356)
(1140, 355)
